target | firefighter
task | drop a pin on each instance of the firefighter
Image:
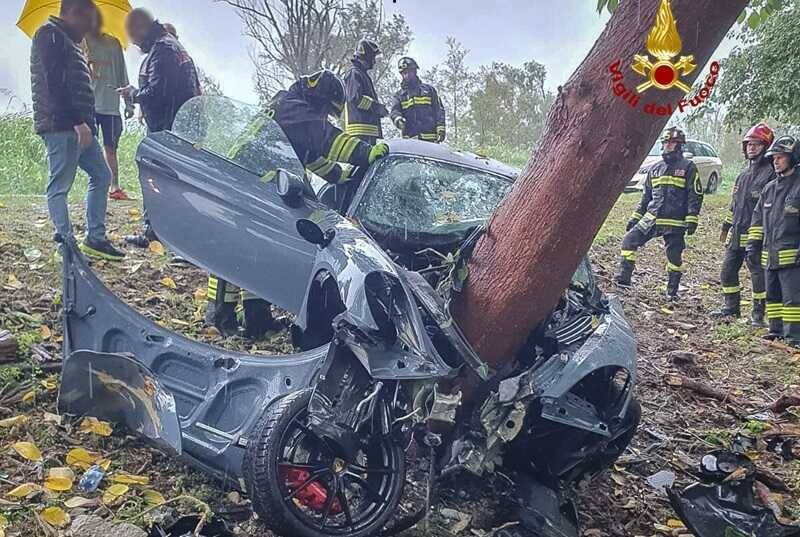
(774, 239)
(746, 191)
(302, 112)
(670, 206)
(417, 110)
(362, 110)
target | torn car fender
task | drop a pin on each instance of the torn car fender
(117, 388)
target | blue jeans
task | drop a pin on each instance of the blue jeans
(63, 158)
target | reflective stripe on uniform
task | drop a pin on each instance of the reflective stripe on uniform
(629, 255)
(211, 292)
(674, 268)
(756, 233)
(787, 257)
(743, 240)
(322, 166)
(731, 290)
(440, 129)
(760, 296)
(362, 129)
(415, 101)
(791, 314)
(365, 103)
(670, 222)
(637, 216)
(729, 218)
(670, 180)
(247, 295)
(692, 219)
(774, 310)
(342, 148)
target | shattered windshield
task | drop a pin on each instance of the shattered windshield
(237, 131)
(414, 199)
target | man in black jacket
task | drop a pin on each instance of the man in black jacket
(746, 192)
(417, 110)
(362, 110)
(670, 208)
(63, 115)
(167, 78)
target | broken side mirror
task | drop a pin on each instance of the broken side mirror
(311, 232)
(290, 188)
(688, 155)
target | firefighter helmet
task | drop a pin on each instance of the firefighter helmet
(406, 63)
(673, 134)
(788, 145)
(367, 48)
(324, 88)
(761, 133)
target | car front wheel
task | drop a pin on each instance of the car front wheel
(300, 487)
(713, 183)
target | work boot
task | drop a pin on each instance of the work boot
(775, 330)
(732, 309)
(791, 333)
(757, 314)
(222, 317)
(258, 319)
(673, 284)
(625, 273)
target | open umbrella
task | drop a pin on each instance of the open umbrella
(35, 13)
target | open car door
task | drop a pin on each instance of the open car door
(210, 195)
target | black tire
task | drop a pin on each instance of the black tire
(278, 504)
(713, 183)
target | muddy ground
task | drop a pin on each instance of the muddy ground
(678, 424)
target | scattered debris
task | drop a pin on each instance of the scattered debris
(662, 480)
(8, 347)
(682, 358)
(94, 526)
(698, 387)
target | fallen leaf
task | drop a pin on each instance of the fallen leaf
(45, 332)
(24, 490)
(3, 520)
(135, 214)
(200, 295)
(153, 497)
(81, 458)
(90, 424)
(114, 493)
(166, 281)
(49, 417)
(32, 254)
(29, 396)
(617, 478)
(130, 479)
(666, 311)
(28, 450)
(135, 268)
(156, 248)
(78, 501)
(13, 422)
(105, 464)
(675, 523)
(13, 282)
(59, 479)
(55, 516)
(179, 322)
(50, 383)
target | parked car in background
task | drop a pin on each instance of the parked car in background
(702, 154)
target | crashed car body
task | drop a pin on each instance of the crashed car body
(369, 292)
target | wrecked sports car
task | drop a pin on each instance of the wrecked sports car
(320, 439)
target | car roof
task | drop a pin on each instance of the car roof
(444, 153)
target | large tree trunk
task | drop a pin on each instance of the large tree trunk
(592, 144)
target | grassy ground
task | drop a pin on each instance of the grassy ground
(678, 425)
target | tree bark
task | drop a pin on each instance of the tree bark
(592, 144)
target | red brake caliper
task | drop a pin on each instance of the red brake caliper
(314, 495)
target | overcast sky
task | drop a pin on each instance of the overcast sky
(557, 34)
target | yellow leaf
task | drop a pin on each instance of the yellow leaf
(200, 295)
(28, 450)
(156, 248)
(55, 516)
(153, 497)
(90, 424)
(24, 490)
(81, 458)
(675, 523)
(166, 281)
(114, 493)
(105, 464)
(79, 501)
(13, 422)
(50, 384)
(29, 396)
(130, 479)
(59, 479)
(13, 282)
(3, 525)
(45, 332)
(666, 311)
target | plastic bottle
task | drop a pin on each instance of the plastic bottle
(90, 480)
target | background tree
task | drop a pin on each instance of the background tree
(592, 143)
(454, 81)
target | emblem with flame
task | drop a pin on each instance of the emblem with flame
(664, 43)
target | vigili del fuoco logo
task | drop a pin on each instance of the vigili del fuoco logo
(660, 69)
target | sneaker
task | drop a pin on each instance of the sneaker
(101, 250)
(118, 195)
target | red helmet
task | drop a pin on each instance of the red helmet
(758, 133)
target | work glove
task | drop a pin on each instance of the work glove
(129, 111)
(631, 224)
(127, 92)
(400, 122)
(440, 136)
(378, 151)
(691, 227)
